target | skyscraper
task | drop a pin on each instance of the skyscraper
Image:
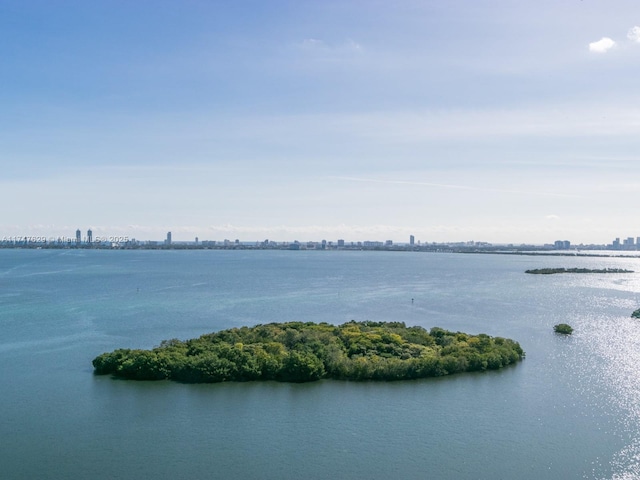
(89, 236)
(168, 240)
(78, 237)
(412, 240)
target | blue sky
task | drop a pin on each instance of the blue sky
(501, 121)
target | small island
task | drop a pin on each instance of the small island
(563, 328)
(304, 352)
(550, 271)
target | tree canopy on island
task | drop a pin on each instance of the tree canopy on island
(551, 271)
(563, 328)
(302, 352)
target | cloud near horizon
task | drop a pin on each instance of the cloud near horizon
(458, 187)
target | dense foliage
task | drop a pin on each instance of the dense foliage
(302, 352)
(549, 271)
(563, 328)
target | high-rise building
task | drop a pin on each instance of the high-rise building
(168, 240)
(412, 240)
(78, 236)
(89, 236)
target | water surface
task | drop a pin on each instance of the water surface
(570, 410)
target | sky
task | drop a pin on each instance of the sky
(498, 121)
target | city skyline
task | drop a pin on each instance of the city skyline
(78, 239)
(451, 121)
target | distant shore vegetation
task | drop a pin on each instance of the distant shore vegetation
(550, 271)
(304, 352)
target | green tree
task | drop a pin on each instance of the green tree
(563, 328)
(301, 367)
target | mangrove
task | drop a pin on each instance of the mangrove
(550, 271)
(304, 352)
(563, 328)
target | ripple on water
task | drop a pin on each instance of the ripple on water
(609, 372)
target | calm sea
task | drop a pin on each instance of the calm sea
(570, 410)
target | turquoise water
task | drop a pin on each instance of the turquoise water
(570, 410)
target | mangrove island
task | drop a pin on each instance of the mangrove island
(303, 352)
(563, 328)
(550, 271)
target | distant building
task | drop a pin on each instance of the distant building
(340, 243)
(562, 245)
(168, 240)
(371, 244)
(412, 240)
(89, 236)
(78, 236)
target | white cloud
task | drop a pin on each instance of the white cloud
(316, 45)
(312, 43)
(456, 187)
(634, 34)
(402, 127)
(601, 46)
(605, 43)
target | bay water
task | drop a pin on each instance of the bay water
(571, 409)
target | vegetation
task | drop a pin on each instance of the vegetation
(549, 271)
(303, 352)
(636, 313)
(563, 328)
